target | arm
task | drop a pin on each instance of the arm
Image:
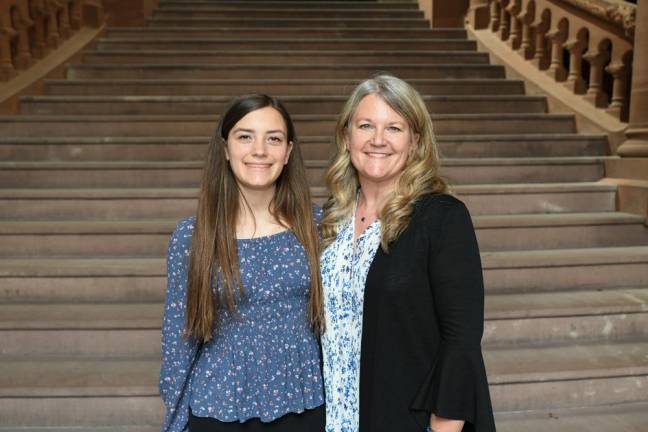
(177, 351)
(457, 284)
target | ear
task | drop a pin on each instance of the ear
(290, 148)
(227, 158)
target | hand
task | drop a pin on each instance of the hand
(441, 424)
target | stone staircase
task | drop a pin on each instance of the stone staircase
(95, 173)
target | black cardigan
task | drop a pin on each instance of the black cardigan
(422, 326)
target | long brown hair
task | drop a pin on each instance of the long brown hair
(213, 250)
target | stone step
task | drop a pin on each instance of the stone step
(349, 72)
(111, 174)
(289, 22)
(273, 43)
(286, 87)
(71, 330)
(237, 13)
(568, 376)
(532, 319)
(629, 417)
(149, 238)
(521, 145)
(282, 57)
(330, 33)
(82, 394)
(559, 231)
(554, 270)
(82, 280)
(155, 203)
(521, 379)
(315, 105)
(287, 5)
(313, 147)
(50, 280)
(129, 149)
(203, 125)
(520, 320)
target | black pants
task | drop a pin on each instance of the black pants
(312, 420)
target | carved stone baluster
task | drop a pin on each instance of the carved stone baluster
(540, 53)
(7, 70)
(64, 21)
(595, 93)
(38, 44)
(52, 37)
(494, 16)
(575, 81)
(619, 73)
(526, 44)
(22, 24)
(477, 15)
(556, 69)
(505, 21)
(76, 15)
(516, 29)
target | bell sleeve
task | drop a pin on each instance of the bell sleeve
(456, 386)
(178, 352)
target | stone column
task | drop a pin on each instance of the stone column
(478, 14)
(637, 132)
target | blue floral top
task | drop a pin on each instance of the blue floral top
(264, 361)
(344, 267)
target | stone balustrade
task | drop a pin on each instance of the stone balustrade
(585, 45)
(31, 29)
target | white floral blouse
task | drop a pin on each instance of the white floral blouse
(344, 267)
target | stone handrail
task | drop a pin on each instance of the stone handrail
(31, 29)
(568, 38)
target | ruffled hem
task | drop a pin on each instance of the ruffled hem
(456, 388)
(265, 381)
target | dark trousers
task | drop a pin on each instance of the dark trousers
(312, 420)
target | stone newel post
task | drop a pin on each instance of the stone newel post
(637, 132)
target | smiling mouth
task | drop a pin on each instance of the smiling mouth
(258, 165)
(377, 155)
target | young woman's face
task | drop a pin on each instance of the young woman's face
(379, 140)
(258, 148)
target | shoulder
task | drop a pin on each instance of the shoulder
(438, 206)
(181, 236)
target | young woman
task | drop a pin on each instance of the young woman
(244, 302)
(402, 277)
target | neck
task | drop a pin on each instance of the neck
(373, 195)
(257, 200)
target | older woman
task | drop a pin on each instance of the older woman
(402, 278)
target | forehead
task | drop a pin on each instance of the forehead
(374, 107)
(261, 120)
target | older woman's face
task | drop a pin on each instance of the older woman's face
(379, 140)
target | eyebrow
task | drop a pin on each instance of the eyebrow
(252, 131)
(391, 123)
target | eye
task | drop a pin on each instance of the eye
(244, 137)
(364, 126)
(274, 139)
(394, 129)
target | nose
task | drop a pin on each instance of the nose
(378, 137)
(259, 148)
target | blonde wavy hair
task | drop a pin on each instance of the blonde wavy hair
(419, 177)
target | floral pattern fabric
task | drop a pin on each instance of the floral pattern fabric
(344, 266)
(264, 361)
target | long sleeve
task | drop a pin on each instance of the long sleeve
(456, 386)
(178, 352)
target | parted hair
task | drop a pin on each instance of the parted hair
(213, 259)
(420, 175)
